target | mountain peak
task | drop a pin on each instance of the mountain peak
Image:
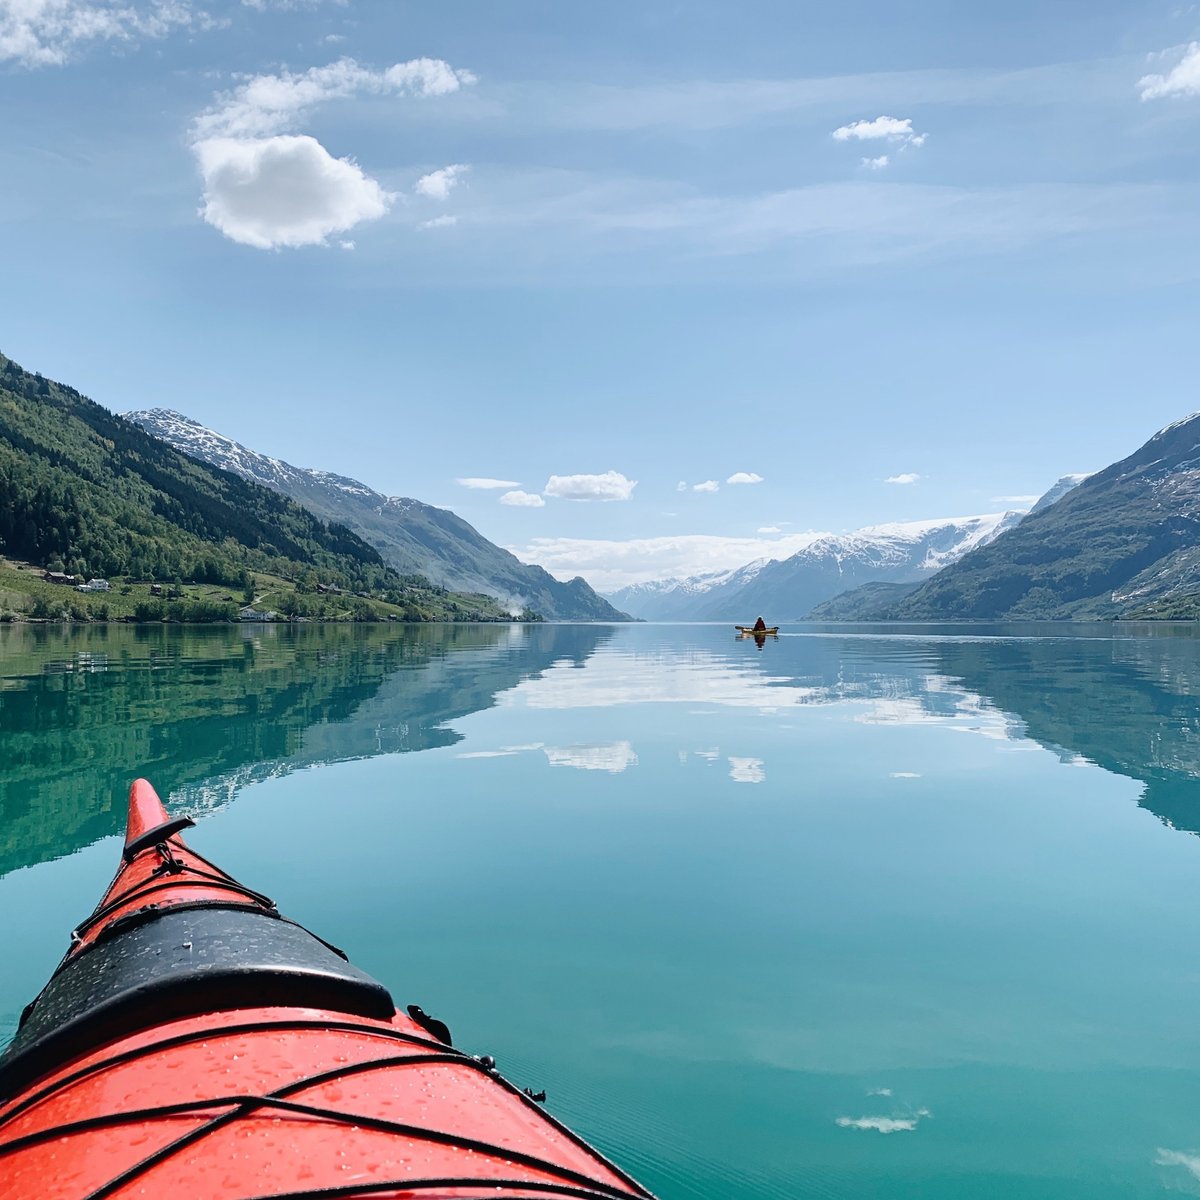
(413, 537)
(1057, 490)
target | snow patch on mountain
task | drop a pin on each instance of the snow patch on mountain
(209, 446)
(1060, 488)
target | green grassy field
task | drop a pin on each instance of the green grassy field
(26, 596)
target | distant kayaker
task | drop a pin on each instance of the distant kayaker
(760, 626)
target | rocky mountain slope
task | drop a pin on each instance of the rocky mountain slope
(411, 536)
(1124, 543)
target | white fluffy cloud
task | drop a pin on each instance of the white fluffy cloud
(709, 485)
(613, 757)
(744, 477)
(266, 187)
(892, 129)
(437, 185)
(608, 565)
(479, 483)
(522, 500)
(283, 191)
(747, 770)
(1183, 79)
(879, 1124)
(897, 130)
(905, 478)
(612, 485)
(39, 33)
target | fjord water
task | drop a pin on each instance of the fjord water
(869, 912)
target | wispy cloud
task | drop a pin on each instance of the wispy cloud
(709, 485)
(267, 187)
(808, 231)
(611, 485)
(1183, 79)
(484, 483)
(707, 104)
(769, 529)
(262, 105)
(292, 5)
(1026, 499)
(444, 221)
(42, 33)
(744, 477)
(876, 164)
(906, 478)
(437, 185)
(520, 499)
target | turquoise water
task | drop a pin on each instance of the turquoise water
(865, 913)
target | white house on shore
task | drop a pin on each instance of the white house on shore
(250, 613)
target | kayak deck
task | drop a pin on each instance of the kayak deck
(195, 1040)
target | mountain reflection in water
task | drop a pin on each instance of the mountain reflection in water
(1126, 698)
(206, 710)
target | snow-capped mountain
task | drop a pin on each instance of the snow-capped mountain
(412, 536)
(1060, 488)
(788, 589)
(673, 599)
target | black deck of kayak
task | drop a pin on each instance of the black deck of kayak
(183, 962)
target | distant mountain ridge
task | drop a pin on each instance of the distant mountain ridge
(411, 536)
(788, 589)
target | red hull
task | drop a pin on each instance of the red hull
(194, 1043)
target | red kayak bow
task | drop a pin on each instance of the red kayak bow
(195, 1043)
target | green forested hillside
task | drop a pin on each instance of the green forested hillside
(1124, 543)
(89, 493)
(87, 490)
(863, 603)
(413, 537)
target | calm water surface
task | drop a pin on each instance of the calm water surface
(866, 913)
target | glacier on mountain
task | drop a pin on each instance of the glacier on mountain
(787, 589)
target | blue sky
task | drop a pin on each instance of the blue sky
(637, 243)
